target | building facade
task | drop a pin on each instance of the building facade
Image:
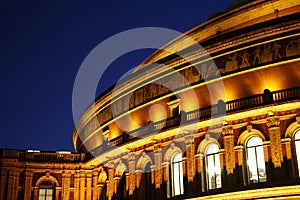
(218, 122)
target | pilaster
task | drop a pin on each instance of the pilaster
(190, 153)
(82, 185)
(229, 149)
(66, 181)
(110, 182)
(76, 185)
(28, 184)
(158, 165)
(132, 177)
(275, 140)
(13, 182)
(89, 186)
(96, 195)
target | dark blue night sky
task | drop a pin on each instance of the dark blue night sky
(43, 44)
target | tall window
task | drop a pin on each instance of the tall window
(177, 175)
(297, 147)
(255, 160)
(46, 191)
(213, 169)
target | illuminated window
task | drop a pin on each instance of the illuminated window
(46, 191)
(177, 175)
(213, 169)
(297, 147)
(255, 160)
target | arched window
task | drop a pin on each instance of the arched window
(297, 147)
(255, 160)
(177, 175)
(46, 191)
(213, 169)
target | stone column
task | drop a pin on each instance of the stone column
(89, 186)
(275, 140)
(28, 184)
(229, 149)
(82, 186)
(132, 178)
(190, 154)
(66, 185)
(76, 186)
(96, 195)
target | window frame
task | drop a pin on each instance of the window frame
(214, 155)
(296, 143)
(180, 175)
(47, 187)
(256, 148)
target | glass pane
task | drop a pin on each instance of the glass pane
(297, 146)
(256, 160)
(297, 135)
(49, 192)
(261, 163)
(177, 158)
(42, 191)
(212, 148)
(213, 168)
(252, 165)
(181, 177)
(254, 141)
(177, 175)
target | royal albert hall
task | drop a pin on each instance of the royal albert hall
(213, 114)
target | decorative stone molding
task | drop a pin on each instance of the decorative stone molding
(244, 136)
(142, 161)
(121, 168)
(171, 152)
(275, 140)
(190, 154)
(132, 177)
(102, 177)
(229, 149)
(158, 165)
(205, 142)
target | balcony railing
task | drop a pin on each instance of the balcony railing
(49, 157)
(219, 109)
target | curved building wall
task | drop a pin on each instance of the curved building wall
(170, 131)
